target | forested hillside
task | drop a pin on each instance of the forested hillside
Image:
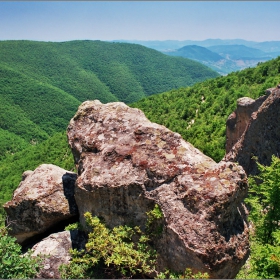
(199, 113)
(43, 83)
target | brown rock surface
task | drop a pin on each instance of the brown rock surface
(126, 165)
(55, 249)
(261, 138)
(237, 122)
(44, 198)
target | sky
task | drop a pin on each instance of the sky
(139, 20)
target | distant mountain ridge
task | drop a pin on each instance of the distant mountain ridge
(196, 53)
(237, 54)
(165, 45)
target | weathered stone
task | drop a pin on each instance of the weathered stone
(55, 251)
(237, 122)
(126, 165)
(44, 198)
(261, 137)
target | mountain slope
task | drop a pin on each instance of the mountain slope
(199, 113)
(43, 83)
(101, 70)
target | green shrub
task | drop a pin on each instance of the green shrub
(122, 252)
(263, 201)
(117, 253)
(188, 274)
(12, 263)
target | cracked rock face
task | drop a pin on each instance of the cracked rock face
(238, 121)
(44, 198)
(126, 165)
(261, 135)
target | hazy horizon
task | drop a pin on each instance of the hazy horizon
(139, 20)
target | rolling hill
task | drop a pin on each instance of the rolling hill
(224, 58)
(268, 46)
(236, 54)
(43, 83)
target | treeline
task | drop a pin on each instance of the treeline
(199, 113)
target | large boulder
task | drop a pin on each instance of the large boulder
(261, 136)
(44, 198)
(126, 165)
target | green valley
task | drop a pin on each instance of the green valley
(43, 83)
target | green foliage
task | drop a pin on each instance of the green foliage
(264, 200)
(120, 252)
(12, 263)
(74, 226)
(154, 224)
(199, 113)
(264, 206)
(187, 274)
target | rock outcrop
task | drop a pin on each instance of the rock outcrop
(261, 136)
(238, 121)
(44, 198)
(126, 165)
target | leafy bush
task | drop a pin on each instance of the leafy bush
(187, 274)
(263, 200)
(12, 263)
(122, 252)
(117, 253)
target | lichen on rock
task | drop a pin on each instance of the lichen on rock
(126, 165)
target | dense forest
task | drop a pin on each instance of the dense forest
(38, 101)
(43, 83)
(199, 113)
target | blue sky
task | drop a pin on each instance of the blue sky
(139, 20)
